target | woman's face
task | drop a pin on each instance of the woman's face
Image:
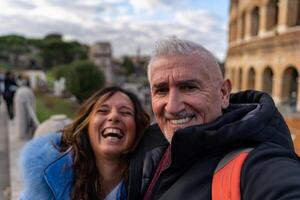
(111, 128)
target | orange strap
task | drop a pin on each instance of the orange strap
(226, 180)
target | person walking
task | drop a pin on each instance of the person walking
(10, 87)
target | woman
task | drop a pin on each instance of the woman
(89, 160)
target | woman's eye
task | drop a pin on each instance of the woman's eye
(126, 113)
(102, 111)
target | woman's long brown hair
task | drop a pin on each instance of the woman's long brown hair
(75, 136)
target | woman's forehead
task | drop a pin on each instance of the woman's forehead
(117, 99)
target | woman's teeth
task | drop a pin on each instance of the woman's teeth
(113, 139)
(112, 133)
(112, 130)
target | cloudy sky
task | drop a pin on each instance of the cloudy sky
(127, 24)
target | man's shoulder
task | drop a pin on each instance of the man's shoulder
(271, 170)
(153, 137)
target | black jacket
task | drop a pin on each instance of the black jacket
(271, 171)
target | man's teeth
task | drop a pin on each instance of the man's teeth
(180, 121)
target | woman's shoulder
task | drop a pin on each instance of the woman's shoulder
(41, 149)
(36, 155)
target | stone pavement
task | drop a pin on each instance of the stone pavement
(14, 145)
(4, 154)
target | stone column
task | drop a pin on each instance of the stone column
(283, 15)
(227, 70)
(245, 79)
(236, 80)
(240, 28)
(248, 26)
(263, 19)
(298, 96)
(277, 87)
(259, 80)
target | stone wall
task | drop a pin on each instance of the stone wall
(264, 48)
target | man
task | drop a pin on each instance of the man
(198, 123)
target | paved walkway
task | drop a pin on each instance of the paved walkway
(12, 144)
(4, 154)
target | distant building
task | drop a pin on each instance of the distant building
(264, 48)
(101, 55)
(142, 92)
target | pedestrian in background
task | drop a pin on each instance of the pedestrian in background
(24, 104)
(10, 87)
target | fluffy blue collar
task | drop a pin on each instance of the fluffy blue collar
(47, 172)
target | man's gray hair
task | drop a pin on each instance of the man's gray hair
(174, 46)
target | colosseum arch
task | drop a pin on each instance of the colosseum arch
(251, 79)
(255, 21)
(290, 86)
(268, 80)
(293, 15)
(272, 14)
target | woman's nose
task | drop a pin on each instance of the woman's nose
(113, 116)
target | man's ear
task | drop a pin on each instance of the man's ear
(225, 93)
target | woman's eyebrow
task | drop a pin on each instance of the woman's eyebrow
(127, 107)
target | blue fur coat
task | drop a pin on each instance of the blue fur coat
(47, 173)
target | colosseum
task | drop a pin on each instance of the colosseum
(264, 48)
(264, 53)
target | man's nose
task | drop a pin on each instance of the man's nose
(175, 102)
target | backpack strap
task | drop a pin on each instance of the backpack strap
(226, 179)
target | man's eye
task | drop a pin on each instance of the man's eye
(161, 90)
(188, 87)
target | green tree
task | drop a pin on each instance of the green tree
(49, 52)
(83, 79)
(53, 36)
(128, 64)
(11, 47)
(55, 51)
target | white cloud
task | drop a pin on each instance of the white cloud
(146, 4)
(112, 20)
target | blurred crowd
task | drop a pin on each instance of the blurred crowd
(9, 82)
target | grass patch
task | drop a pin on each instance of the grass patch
(47, 105)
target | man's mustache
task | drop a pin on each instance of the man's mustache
(179, 115)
